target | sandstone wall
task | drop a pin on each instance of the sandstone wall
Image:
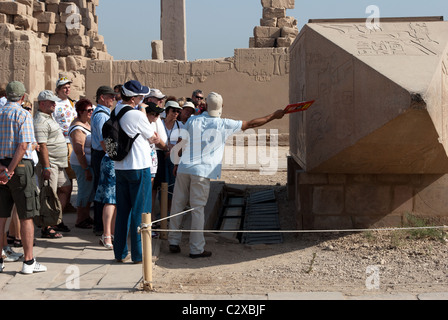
(253, 83)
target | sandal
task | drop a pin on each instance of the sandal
(13, 241)
(85, 224)
(61, 227)
(49, 233)
(103, 242)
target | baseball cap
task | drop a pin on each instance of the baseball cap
(15, 91)
(47, 95)
(104, 90)
(189, 104)
(172, 104)
(134, 88)
(63, 81)
(156, 93)
(152, 107)
(214, 105)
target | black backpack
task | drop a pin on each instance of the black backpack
(118, 143)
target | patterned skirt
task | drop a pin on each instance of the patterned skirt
(105, 193)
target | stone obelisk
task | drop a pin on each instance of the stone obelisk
(173, 30)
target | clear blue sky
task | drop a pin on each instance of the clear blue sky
(216, 27)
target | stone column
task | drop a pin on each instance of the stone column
(173, 29)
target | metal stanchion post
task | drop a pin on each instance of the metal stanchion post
(164, 210)
(147, 252)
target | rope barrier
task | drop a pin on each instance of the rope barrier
(284, 231)
(300, 231)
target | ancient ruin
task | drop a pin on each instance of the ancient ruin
(43, 40)
(370, 151)
(373, 148)
(58, 38)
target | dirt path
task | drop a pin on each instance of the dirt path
(348, 263)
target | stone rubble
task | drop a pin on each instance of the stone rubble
(276, 28)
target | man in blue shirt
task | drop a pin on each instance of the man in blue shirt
(203, 145)
(105, 98)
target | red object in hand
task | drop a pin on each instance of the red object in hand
(299, 107)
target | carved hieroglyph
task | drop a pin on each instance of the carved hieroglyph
(261, 64)
(381, 97)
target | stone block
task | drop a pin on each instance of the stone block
(267, 32)
(58, 39)
(269, 13)
(49, 28)
(328, 200)
(289, 32)
(284, 4)
(285, 42)
(403, 199)
(38, 7)
(289, 22)
(312, 179)
(353, 129)
(368, 199)
(157, 49)
(272, 22)
(13, 8)
(264, 42)
(25, 22)
(45, 17)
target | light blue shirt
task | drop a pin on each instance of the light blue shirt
(206, 138)
(97, 122)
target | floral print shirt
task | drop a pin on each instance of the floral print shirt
(64, 115)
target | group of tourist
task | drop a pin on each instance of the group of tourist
(64, 141)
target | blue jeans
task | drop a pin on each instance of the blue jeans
(133, 188)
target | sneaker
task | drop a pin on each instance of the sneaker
(35, 267)
(9, 251)
(9, 258)
(2, 266)
(204, 254)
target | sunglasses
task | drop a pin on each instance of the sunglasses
(200, 98)
(89, 110)
(154, 114)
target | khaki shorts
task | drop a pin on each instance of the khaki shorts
(58, 177)
(22, 191)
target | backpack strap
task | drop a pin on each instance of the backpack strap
(123, 111)
(120, 115)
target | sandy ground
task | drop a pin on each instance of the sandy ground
(368, 262)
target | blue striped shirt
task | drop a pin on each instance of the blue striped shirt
(16, 126)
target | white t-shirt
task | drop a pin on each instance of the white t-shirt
(160, 129)
(135, 122)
